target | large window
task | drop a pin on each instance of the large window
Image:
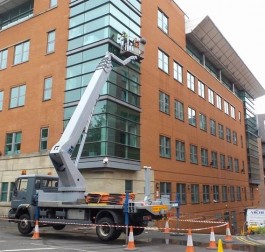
(230, 163)
(44, 134)
(162, 21)
(179, 110)
(201, 89)
(163, 102)
(216, 193)
(4, 191)
(163, 61)
(212, 127)
(224, 193)
(192, 116)
(180, 150)
(190, 81)
(1, 100)
(178, 69)
(50, 42)
(204, 157)
(206, 194)
(53, 3)
(21, 52)
(238, 193)
(228, 135)
(233, 113)
(47, 89)
(17, 97)
(193, 154)
(222, 161)
(195, 195)
(221, 131)
(3, 59)
(211, 96)
(165, 189)
(236, 165)
(234, 138)
(13, 143)
(219, 102)
(165, 147)
(214, 161)
(232, 193)
(203, 122)
(181, 193)
(226, 107)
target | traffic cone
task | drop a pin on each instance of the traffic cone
(166, 229)
(131, 245)
(36, 234)
(228, 236)
(212, 244)
(220, 246)
(190, 247)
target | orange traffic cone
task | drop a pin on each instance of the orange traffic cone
(166, 229)
(36, 234)
(190, 247)
(228, 236)
(131, 245)
(212, 244)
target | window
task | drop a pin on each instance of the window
(221, 131)
(234, 138)
(193, 154)
(21, 53)
(162, 61)
(226, 107)
(192, 116)
(165, 147)
(3, 59)
(180, 150)
(224, 193)
(214, 162)
(17, 97)
(179, 110)
(44, 134)
(236, 165)
(165, 189)
(204, 157)
(228, 135)
(238, 193)
(181, 193)
(218, 102)
(201, 89)
(128, 186)
(162, 21)
(4, 191)
(13, 143)
(50, 42)
(53, 3)
(47, 90)
(195, 193)
(212, 127)
(12, 186)
(1, 100)
(233, 113)
(216, 193)
(230, 163)
(239, 116)
(206, 193)
(163, 102)
(232, 193)
(190, 81)
(203, 122)
(222, 161)
(177, 72)
(211, 96)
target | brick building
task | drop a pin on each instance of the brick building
(186, 110)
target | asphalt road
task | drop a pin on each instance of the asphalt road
(74, 238)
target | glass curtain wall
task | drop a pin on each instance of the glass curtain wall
(95, 27)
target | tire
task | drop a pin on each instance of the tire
(106, 231)
(58, 227)
(138, 231)
(24, 225)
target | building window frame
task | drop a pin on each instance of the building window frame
(17, 96)
(162, 21)
(13, 143)
(212, 127)
(1, 100)
(224, 194)
(164, 103)
(222, 161)
(163, 61)
(21, 52)
(44, 135)
(165, 150)
(203, 122)
(47, 88)
(221, 131)
(3, 59)
(204, 157)
(193, 154)
(180, 150)
(192, 116)
(191, 81)
(216, 195)
(181, 193)
(53, 3)
(206, 193)
(179, 110)
(211, 96)
(201, 89)
(195, 194)
(178, 72)
(51, 37)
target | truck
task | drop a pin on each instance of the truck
(62, 200)
(255, 218)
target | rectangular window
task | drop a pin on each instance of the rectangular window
(206, 193)
(238, 193)
(13, 143)
(224, 193)
(162, 61)
(222, 161)
(3, 59)
(226, 107)
(4, 191)
(128, 186)
(236, 165)
(165, 147)
(21, 52)
(179, 110)
(181, 193)
(162, 21)
(230, 163)
(201, 89)
(53, 3)
(195, 194)
(211, 96)
(50, 42)
(47, 89)
(12, 186)
(180, 150)
(228, 135)
(214, 161)
(232, 193)
(193, 154)
(221, 131)
(204, 157)
(165, 189)
(203, 122)
(178, 69)
(216, 193)
(163, 102)
(190, 81)
(17, 96)
(1, 100)
(233, 113)
(219, 102)
(192, 116)
(234, 138)
(212, 127)
(44, 134)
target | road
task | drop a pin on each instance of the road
(74, 238)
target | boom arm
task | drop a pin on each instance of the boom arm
(70, 179)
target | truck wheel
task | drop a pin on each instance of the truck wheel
(106, 230)
(24, 224)
(138, 231)
(58, 227)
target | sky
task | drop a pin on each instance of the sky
(242, 23)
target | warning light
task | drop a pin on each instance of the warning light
(23, 172)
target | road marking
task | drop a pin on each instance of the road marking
(33, 249)
(245, 240)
